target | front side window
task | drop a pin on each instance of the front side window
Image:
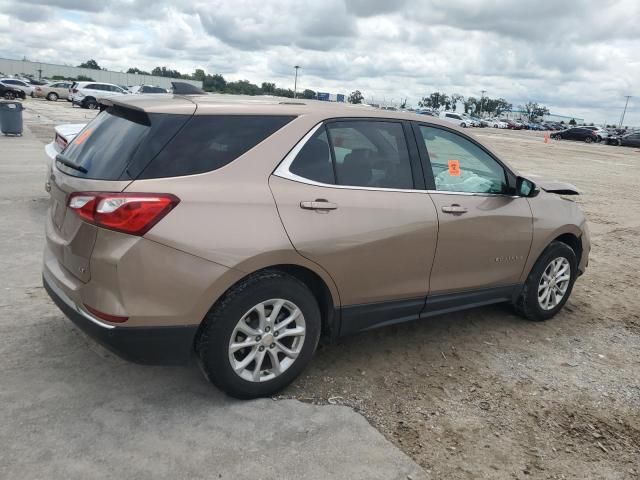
(459, 165)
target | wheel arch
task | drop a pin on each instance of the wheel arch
(319, 283)
(570, 235)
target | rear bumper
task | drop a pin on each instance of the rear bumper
(146, 345)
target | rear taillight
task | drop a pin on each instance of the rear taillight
(132, 213)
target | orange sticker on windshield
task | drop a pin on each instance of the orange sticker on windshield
(82, 137)
(454, 168)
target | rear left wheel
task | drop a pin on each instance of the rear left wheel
(260, 335)
(9, 96)
(52, 97)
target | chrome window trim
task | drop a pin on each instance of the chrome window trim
(283, 171)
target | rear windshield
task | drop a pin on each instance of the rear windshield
(208, 142)
(119, 143)
(122, 144)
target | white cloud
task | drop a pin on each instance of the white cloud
(578, 57)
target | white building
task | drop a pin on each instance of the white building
(40, 70)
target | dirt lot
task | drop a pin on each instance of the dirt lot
(485, 394)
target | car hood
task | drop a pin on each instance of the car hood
(554, 186)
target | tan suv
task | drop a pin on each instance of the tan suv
(238, 233)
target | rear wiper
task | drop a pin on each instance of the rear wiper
(68, 163)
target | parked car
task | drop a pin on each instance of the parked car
(456, 119)
(63, 135)
(511, 125)
(9, 92)
(239, 232)
(89, 94)
(497, 123)
(53, 91)
(626, 140)
(576, 133)
(147, 89)
(19, 84)
(601, 133)
(480, 122)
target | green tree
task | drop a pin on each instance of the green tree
(214, 83)
(435, 101)
(356, 97)
(268, 88)
(308, 94)
(455, 98)
(199, 75)
(533, 110)
(243, 87)
(84, 78)
(92, 64)
(137, 71)
(166, 72)
(572, 121)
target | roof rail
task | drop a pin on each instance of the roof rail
(184, 88)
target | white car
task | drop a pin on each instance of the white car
(27, 88)
(601, 133)
(456, 118)
(89, 94)
(497, 123)
(64, 134)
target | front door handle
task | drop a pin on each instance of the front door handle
(318, 204)
(455, 209)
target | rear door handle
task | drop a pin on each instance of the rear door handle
(455, 208)
(318, 204)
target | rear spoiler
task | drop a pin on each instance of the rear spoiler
(132, 113)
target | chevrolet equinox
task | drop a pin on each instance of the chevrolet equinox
(238, 233)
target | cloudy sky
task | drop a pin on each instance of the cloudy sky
(578, 57)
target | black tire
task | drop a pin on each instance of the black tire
(588, 140)
(212, 344)
(527, 304)
(52, 96)
(9, 95)
(90, 103)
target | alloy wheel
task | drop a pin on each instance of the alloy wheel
(554, 283)
(267, 340)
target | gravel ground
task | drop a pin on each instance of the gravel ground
(483, 393)
(486, 394)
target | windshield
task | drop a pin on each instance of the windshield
(118, 144)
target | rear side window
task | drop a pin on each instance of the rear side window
(314, 160)
(209, 142)
(153, 90)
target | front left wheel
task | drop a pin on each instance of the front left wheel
(259, 337)
(549, 284)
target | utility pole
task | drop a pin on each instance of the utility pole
(624, 111)
(295, 83)
(482, 92)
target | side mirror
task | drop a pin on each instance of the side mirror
(525, 188)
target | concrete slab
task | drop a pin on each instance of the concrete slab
(69, 409)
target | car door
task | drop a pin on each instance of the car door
(485, 232)
(351, 197)
(632, 140)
